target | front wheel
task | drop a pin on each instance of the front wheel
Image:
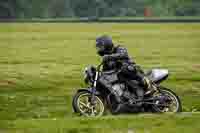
(170, 101)
(82, 104)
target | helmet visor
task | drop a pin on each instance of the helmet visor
(100, 49)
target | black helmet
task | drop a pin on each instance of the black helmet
(104, 45)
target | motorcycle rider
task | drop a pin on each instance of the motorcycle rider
(116, 58)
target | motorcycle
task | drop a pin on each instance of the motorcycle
(94, 100)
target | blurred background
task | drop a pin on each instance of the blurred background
(29, 9)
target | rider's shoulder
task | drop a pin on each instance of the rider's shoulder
(120, 48)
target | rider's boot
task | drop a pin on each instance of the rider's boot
(151, 90)
(150, 87)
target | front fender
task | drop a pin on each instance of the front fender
(89, 90)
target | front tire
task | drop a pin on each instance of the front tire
(174, 102)
(82, 104)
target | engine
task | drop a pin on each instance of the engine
(118, 89)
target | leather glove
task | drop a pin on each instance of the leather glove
(131, 68)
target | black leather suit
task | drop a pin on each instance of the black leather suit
(119, 60)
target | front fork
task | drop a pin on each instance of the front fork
(94, 88)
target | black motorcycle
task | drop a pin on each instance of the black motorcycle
(93, 101)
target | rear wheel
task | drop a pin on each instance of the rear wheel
(82, 104)
(171, 102)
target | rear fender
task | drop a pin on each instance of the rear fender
(161, 80)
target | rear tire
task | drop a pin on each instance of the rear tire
(174, 98)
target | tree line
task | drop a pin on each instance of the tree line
(97, 8)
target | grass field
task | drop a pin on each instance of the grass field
(41, 67)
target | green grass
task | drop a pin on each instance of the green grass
(41, 68)
(147, 123)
